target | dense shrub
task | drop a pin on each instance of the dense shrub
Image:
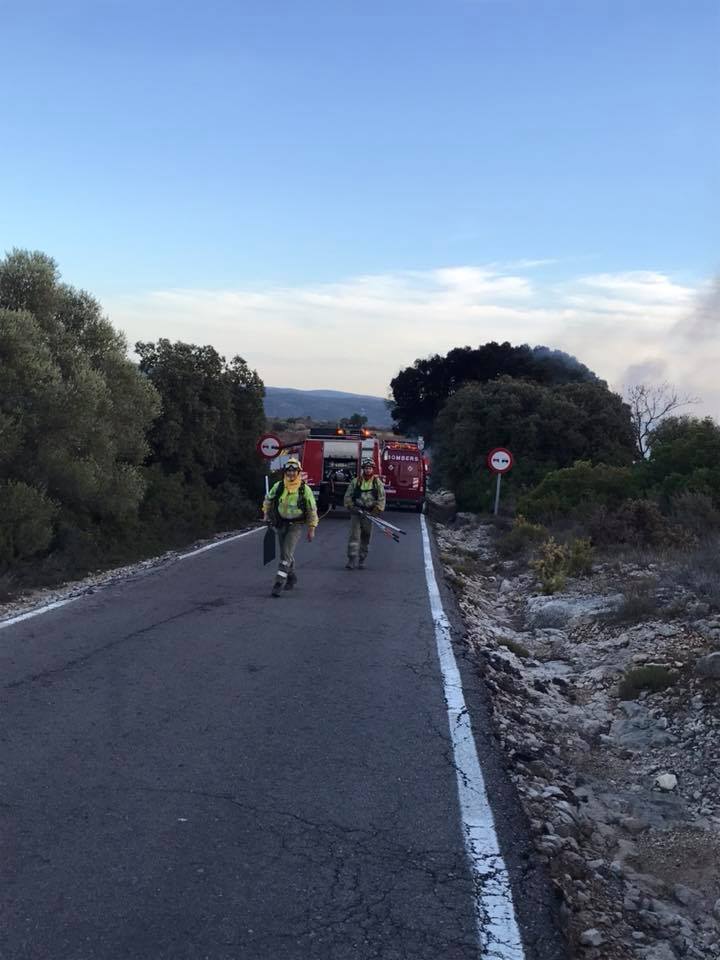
(26, 527)
(643, 524)
(521, 537)
(696, 513)
(175, 509)
(578, 492)
(551, 565)
(556, 562)
(580, 558)
(637, 523)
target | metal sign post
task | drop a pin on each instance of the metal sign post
(268, 447)
(500, 461)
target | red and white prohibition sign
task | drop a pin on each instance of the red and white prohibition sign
(268, 446)
(500, 460)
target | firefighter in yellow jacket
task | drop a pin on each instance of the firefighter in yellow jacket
(289, 505)
(365, 493)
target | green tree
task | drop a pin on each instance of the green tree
(203, 465)
(73, 409)
(684, 454)
(545, 427)
(419, 392)
(357, 420)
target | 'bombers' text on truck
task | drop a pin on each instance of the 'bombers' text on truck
(404, 471)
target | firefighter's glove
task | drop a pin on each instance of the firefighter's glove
(376, 510)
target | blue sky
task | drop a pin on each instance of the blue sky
(257, 154)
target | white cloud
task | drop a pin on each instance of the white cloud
(355, 334)
(640, 286)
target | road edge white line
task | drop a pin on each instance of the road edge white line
(46, 608)
(219, 543)
(498, 931)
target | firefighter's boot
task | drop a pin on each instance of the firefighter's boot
(281, 577)
(361, 563)
(350, 565)
(291, 580)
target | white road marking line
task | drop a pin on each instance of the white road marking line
(219, 543)
(36, 611)
(497, 926)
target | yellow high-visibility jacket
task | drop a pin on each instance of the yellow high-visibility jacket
(288, 507)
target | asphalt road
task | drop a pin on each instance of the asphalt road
(192, 769)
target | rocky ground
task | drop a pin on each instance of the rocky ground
(621, 794)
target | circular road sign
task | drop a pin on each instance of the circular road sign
(500, 460)
(268, 446)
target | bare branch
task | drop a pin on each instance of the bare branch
(649, 405)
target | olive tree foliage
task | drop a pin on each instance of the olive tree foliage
(672, 496)
(684, 455)
(203, 466)
(545, 427)
(420, 391)
(74, 410)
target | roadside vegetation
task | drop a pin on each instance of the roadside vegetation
(594, 475)
(104, 460)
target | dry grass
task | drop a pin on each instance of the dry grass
(517, 648)
(652, 677)
(640, 602)
(699, 571)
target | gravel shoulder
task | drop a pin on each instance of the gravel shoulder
(619, 781)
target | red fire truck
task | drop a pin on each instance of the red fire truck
(405, 469)
(331, 459)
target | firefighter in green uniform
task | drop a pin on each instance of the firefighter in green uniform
(365, 493)
(289, 505)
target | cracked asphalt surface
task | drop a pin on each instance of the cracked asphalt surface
(191, 769)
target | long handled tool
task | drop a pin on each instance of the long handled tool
(390, 526)
(386, 528)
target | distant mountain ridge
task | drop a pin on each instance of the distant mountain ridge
(284, 402)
